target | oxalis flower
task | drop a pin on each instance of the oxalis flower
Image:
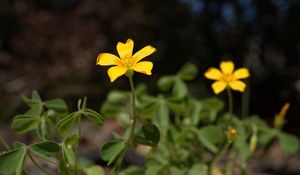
(227, 77)
(126, 62)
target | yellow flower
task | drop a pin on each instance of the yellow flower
(227, 77)
(126, 61)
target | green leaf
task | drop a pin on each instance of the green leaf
(154, 169)
(241, 140)
(132, 170)
(24, 123)
(117, 96)
(149, 109)
(93, 116)
(111, 109)
(211, 136)
(177, 108)
(289, 143)
(148, 134)
(94, 170)
(176, 171)
(193, 112)
(58, 105)
(71, 139)
(41, 128)
(199, 169)
(165, 83)
(65, 124)
(180, 89)
(68, 154)
(111, 150)
(188, 71)
(12, 161)
(35, 96)
(255, 120)
(265, 138)
(46, 149)
(162, 114)
(213, 104)
(35, 110)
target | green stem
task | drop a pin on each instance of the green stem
(37, 165)
(131, 139)
(77, 146)
(218, 157)
(133, 116)
(3, 142)
(230, 102)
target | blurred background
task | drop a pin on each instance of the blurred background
(52, 46)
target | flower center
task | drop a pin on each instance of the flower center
(228, 78)
(127, 62)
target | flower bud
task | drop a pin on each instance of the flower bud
(280, 118)
(231, 134)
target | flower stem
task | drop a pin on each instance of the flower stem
(131, 139)
(218, 157)
(37, 165)
(230, 102)
(133, 116)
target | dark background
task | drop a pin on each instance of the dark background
(52, 46)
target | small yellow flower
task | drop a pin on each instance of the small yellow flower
(126, 61)
(227, 77)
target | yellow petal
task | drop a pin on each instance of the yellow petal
(146, 51)
(227, 67)
(125, 49)
(115, 72)
(218, 86)
(213, 74)
(144, 67)
(237, 85)
(107, 59)
(241, 73)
